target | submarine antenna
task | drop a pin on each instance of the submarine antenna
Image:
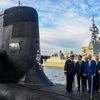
(19, 3)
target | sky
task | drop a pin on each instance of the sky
(63, 24)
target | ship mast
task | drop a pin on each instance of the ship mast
(94, 31)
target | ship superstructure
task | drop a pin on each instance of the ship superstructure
(94, 46)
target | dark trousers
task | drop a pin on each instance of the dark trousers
(84, 78)
(96, 82)
(70, 79)
(89, 83)
(80, 80)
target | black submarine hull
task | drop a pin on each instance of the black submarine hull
(12, 92)
(19, 46)
(20, 41)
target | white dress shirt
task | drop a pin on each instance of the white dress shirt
(89, 63)
(97, 62)
(80, 62)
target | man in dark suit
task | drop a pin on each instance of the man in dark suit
(97, 73)
(69, 71)
(98, 70)
(79, 71)
(84, 76)
(90, 69)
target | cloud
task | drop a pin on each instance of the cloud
(69, 27)
(63, 24)
(4, 4)
(4, 1)
(70, 23)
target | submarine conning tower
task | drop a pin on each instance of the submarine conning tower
(19, 43)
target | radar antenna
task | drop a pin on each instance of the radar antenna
(94, 29)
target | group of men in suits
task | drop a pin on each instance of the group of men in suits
(88, 70)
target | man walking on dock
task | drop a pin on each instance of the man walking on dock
(69, 71)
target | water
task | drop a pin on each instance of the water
(56, 75)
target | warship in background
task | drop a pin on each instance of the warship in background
(94, 46)
(58, 59)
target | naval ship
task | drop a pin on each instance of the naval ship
(19, 53)
(58, 59)
(94, 46)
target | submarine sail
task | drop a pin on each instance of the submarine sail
(20, 40)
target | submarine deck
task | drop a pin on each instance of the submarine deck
(60, 90)
(36, 92)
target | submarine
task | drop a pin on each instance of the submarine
(20, 57)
